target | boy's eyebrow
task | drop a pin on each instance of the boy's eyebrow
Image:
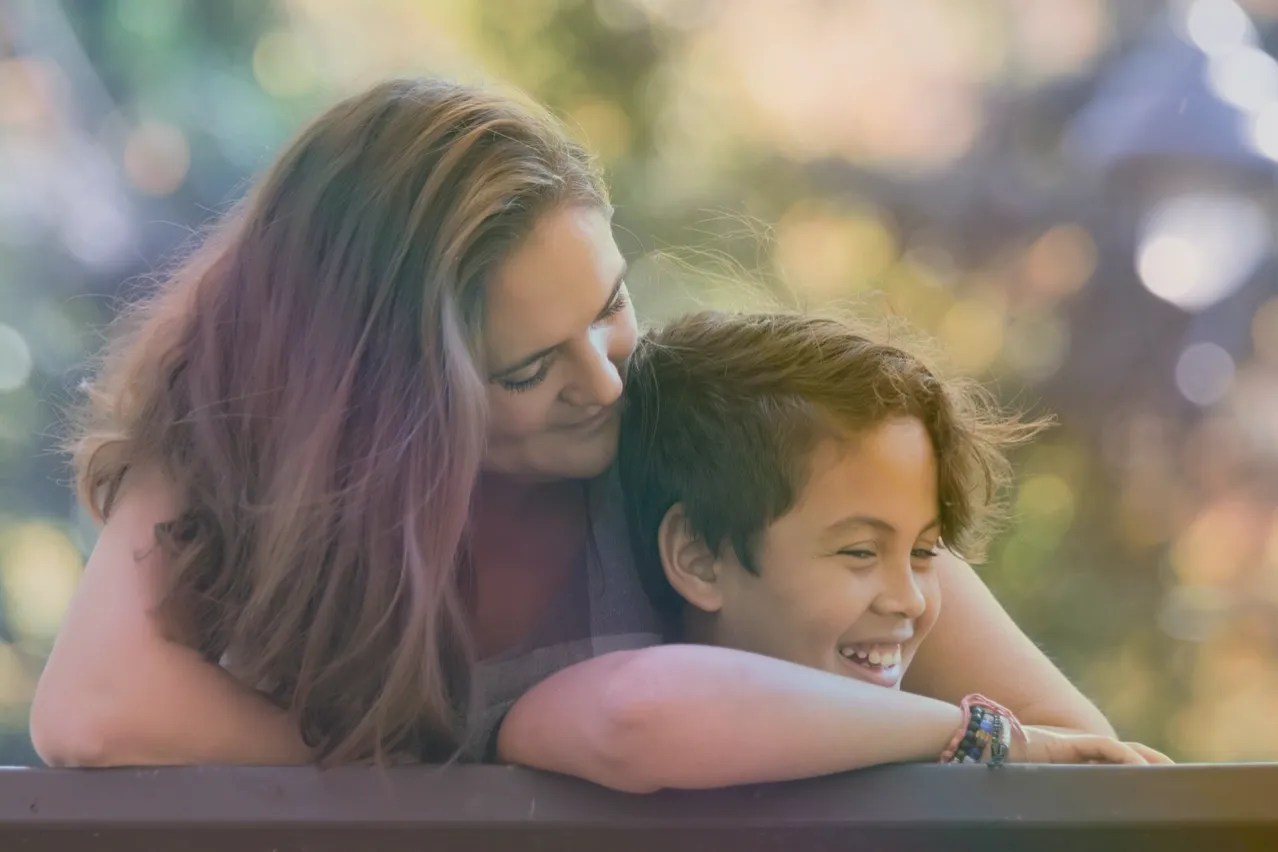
(542, 353)
(844, 524)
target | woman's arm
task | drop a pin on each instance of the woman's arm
(116, 692)
(976, 647)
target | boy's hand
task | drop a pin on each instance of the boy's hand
(1059, 745)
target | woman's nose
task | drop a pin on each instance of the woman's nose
(599, 380)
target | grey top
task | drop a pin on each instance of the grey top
(599, 609)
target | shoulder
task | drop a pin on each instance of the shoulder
(126, 557)
(145, 497)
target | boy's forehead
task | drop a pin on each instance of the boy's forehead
(887, 470)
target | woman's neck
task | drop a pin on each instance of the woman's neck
(500, 495)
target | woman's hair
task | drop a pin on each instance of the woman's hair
(722, 412)
(309, 381)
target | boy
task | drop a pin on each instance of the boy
(789, 481)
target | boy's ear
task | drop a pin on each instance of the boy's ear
(690, 566)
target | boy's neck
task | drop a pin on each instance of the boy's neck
(696, 626)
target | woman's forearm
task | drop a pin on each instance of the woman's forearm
(117, 691)
(975, 646)
(202, 716)
(695, 716)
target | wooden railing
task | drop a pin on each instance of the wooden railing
(1211, 807)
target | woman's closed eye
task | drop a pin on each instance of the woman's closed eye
(616, 306)
(518, 385)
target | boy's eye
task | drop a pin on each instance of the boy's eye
(857, 553)
(925, 552)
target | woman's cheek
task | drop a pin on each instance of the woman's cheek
(522, 413)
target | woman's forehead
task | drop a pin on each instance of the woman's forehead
(553, 286)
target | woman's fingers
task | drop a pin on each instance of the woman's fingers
(1053, 745)
(1151, 755)
(1091, 749)
(1113, 751)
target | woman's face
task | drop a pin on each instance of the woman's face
(558, 330)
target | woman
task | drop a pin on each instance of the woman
(350, 462)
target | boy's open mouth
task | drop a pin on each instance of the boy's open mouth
(873, 657)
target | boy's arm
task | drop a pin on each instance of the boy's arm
(696, 716)
(975, 646)
(691, 716)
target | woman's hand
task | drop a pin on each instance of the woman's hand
(1060, 745)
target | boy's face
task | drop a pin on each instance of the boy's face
(845, 579)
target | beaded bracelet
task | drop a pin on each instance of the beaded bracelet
(989, 725)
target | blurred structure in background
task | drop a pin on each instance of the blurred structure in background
(1076, 196)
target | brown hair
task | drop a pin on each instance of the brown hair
(723, 410)
(309, 381)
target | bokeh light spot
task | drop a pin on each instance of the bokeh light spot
(1045, 504)
(824, 252)
(15, 359)
(973, 331)
(1217, 26)
(1264, 330)
(156, 158)
(1204, 373)
(39, 569)
(1264, 130)
(605, 127)
(284, 64)
(1036, 348)
(1061, 261)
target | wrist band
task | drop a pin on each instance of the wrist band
(988, 725)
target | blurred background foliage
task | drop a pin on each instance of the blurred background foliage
(1075, 196)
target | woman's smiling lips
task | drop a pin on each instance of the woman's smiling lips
(591, 423)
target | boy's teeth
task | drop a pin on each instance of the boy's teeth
(883, 659)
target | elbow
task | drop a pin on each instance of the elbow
(630, 740)
(598, 726)
(69, 730)
(63, 743)
(621, 762)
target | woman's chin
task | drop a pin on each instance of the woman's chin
(588, 460)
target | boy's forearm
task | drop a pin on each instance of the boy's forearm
(694, 716)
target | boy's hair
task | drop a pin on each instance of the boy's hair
(722, 412)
